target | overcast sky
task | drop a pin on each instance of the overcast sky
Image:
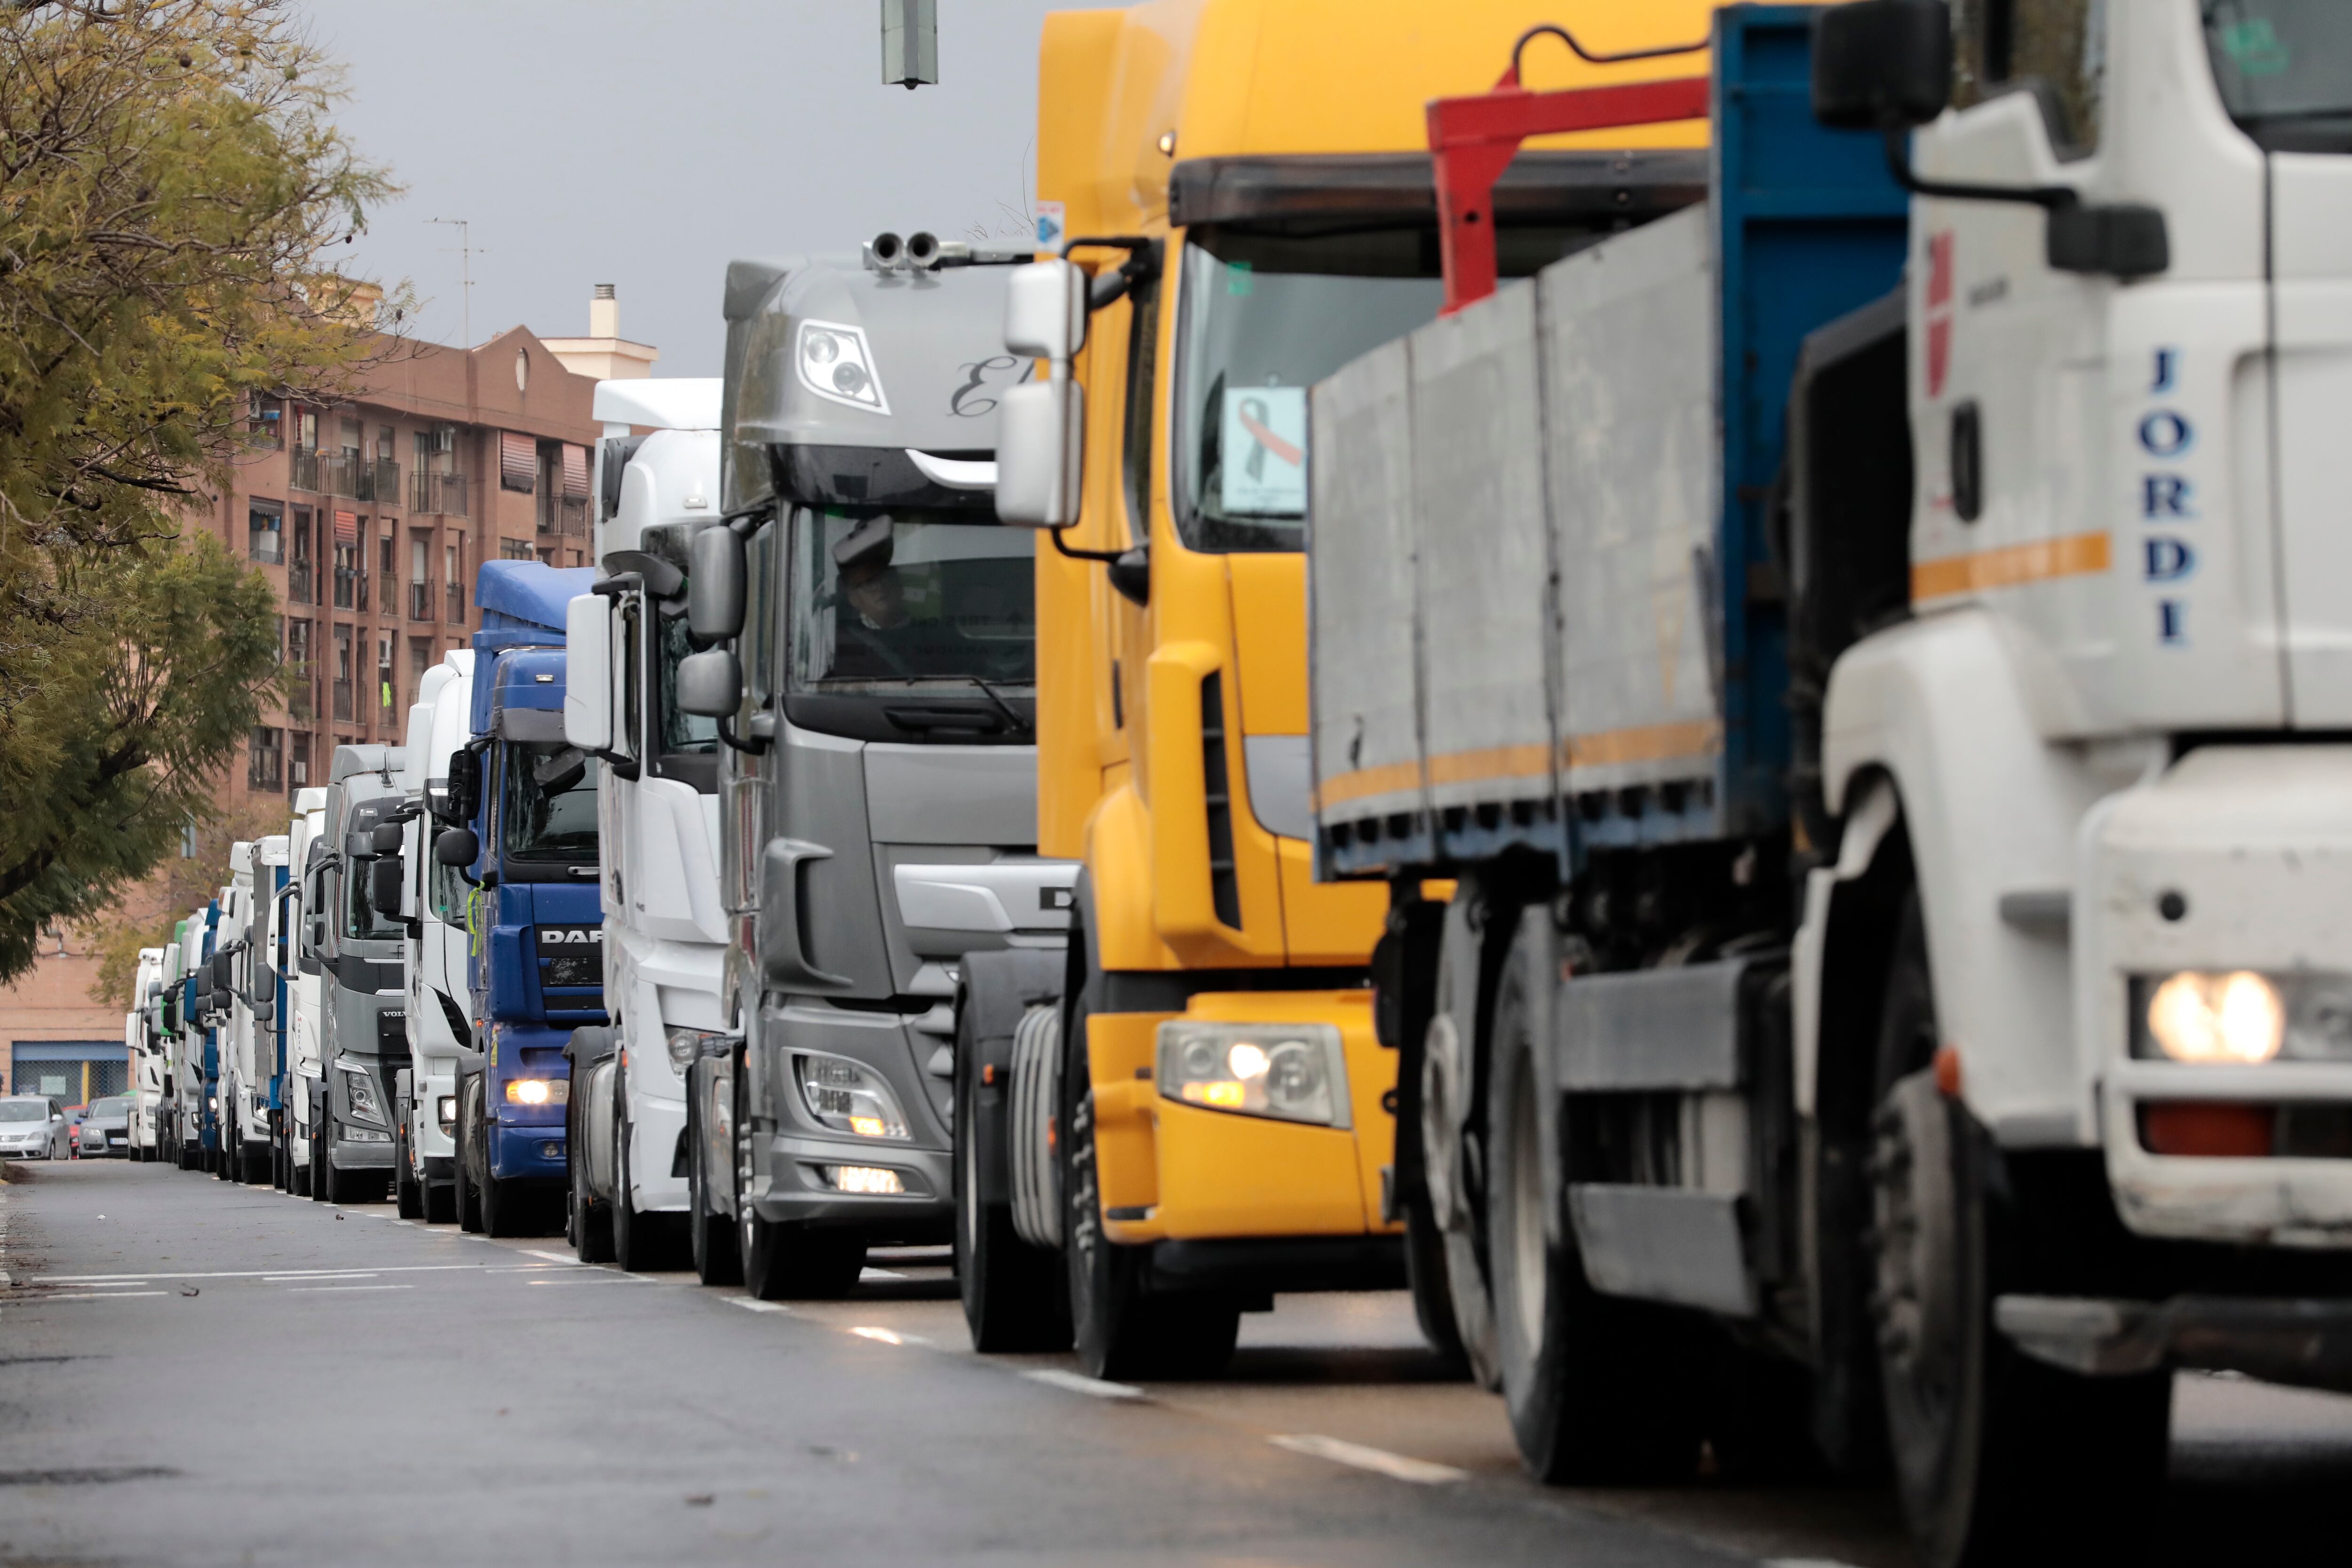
(644, 144)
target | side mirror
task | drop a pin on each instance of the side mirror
(588, 673)
(263, 1009)
(386, 839)
(710, 684)
(458, 847)
(1041, 453)
(464, 785)
(384, 880)
(219, 1000)
(1881, 65)
(714, 585)
(1046, 311)
(360, 846)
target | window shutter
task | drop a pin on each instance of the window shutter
(575, 472)
(347, 528)
(517, 461)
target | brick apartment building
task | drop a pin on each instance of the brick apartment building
(368, 519)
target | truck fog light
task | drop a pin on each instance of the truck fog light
(2196, 1016)
(539, 1092)
(848, 1097)
(446, 1109)
(864, 1179)
(1290, 1072)
(685, 1044)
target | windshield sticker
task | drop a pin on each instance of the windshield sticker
(1265, 450)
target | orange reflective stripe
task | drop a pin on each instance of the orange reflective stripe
(2010, 566)
(1643, 743)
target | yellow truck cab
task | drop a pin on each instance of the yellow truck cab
(1204, 1114)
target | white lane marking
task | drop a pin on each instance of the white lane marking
(1077, 1383)
(594, 1277)
(752, 1304)
(320, 1290)
(552, 1256)
(1397, 1466)
(261, 1273)
(89, 1296)
(121, 1286)
(352, 1274)
(879, 1274)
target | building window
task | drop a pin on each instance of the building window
(297, 760)
(298, 654)
(350, 564)
(301, 587)
(516, 550)
(387, 591)
(265, 532)
(518, 462)
(266, 760)
(453, 582)
(342, 672)
(268, 423)
(387, 694)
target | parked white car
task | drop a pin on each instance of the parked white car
(32, 1127)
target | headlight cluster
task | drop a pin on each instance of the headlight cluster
(2241, 1019)
(848, 1097)
(359, 1088)
(684, 1045)
(1291, 1072)
(447, 1107)
(538, 1091)
(835, 362)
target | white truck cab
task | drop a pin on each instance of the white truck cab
(306, 853)
(433, 906)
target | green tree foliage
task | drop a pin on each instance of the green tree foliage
(171, 193)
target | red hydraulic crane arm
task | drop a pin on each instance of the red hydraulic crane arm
(1473, 140)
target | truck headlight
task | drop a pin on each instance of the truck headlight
(848, 1097)
(539, 1092)
(446, 1109)
(684, 1045)
(1291, 1072)
(359, 1088)
(2238, 1018)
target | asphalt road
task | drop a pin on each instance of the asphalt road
(192, 1373)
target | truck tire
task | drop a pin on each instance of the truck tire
(785, 1262)
(407, 1192)
(321, 1172)
(1450, 1114)
(587, 1219)
(1595, 1386)
(469, 1195)
(1121, 1329)
(1015, 1297)
(1998, 1458)
(710, 1236)
(640, 1241)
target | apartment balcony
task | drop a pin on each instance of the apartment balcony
(380, 482)
(420, 600)
(346, 474)
(388, 590)
(300, 583)
(303, 471)
(344, 699)
(563, 516)
(443, 493)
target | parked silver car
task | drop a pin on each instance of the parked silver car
(105, 1128)
(32, 1127)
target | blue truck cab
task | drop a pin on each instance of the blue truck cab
(521, 830)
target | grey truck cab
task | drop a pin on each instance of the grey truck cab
(871, 661)
(364, 994)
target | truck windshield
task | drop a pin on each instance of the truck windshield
(2284, 69)
(549, 805)
(891, 601)
(1265, 317)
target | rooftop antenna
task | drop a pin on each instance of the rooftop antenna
(911, 43)
(465, 254)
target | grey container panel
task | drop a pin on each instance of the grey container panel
(1659, 1243)
(1360, 615)
(1630, 425)
(1478, 510)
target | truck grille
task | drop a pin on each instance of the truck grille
(1224, 888)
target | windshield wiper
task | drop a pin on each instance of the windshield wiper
(995, 697)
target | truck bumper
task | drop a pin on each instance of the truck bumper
(2231, 861)
(2289, 1339)
(350, 1156)
(656, 1126)
(528, 1152)
(796, 1187)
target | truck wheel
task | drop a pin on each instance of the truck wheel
(470, 1195)
(1448, 1107)
(322, 1174)
(588, 1220)
(440, 1203)
(1014, 1294)
(1595, 1386)
(709, 1236)
(784, 1263)
(640, 1241)
(407, 1192)
(1998, 1458)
